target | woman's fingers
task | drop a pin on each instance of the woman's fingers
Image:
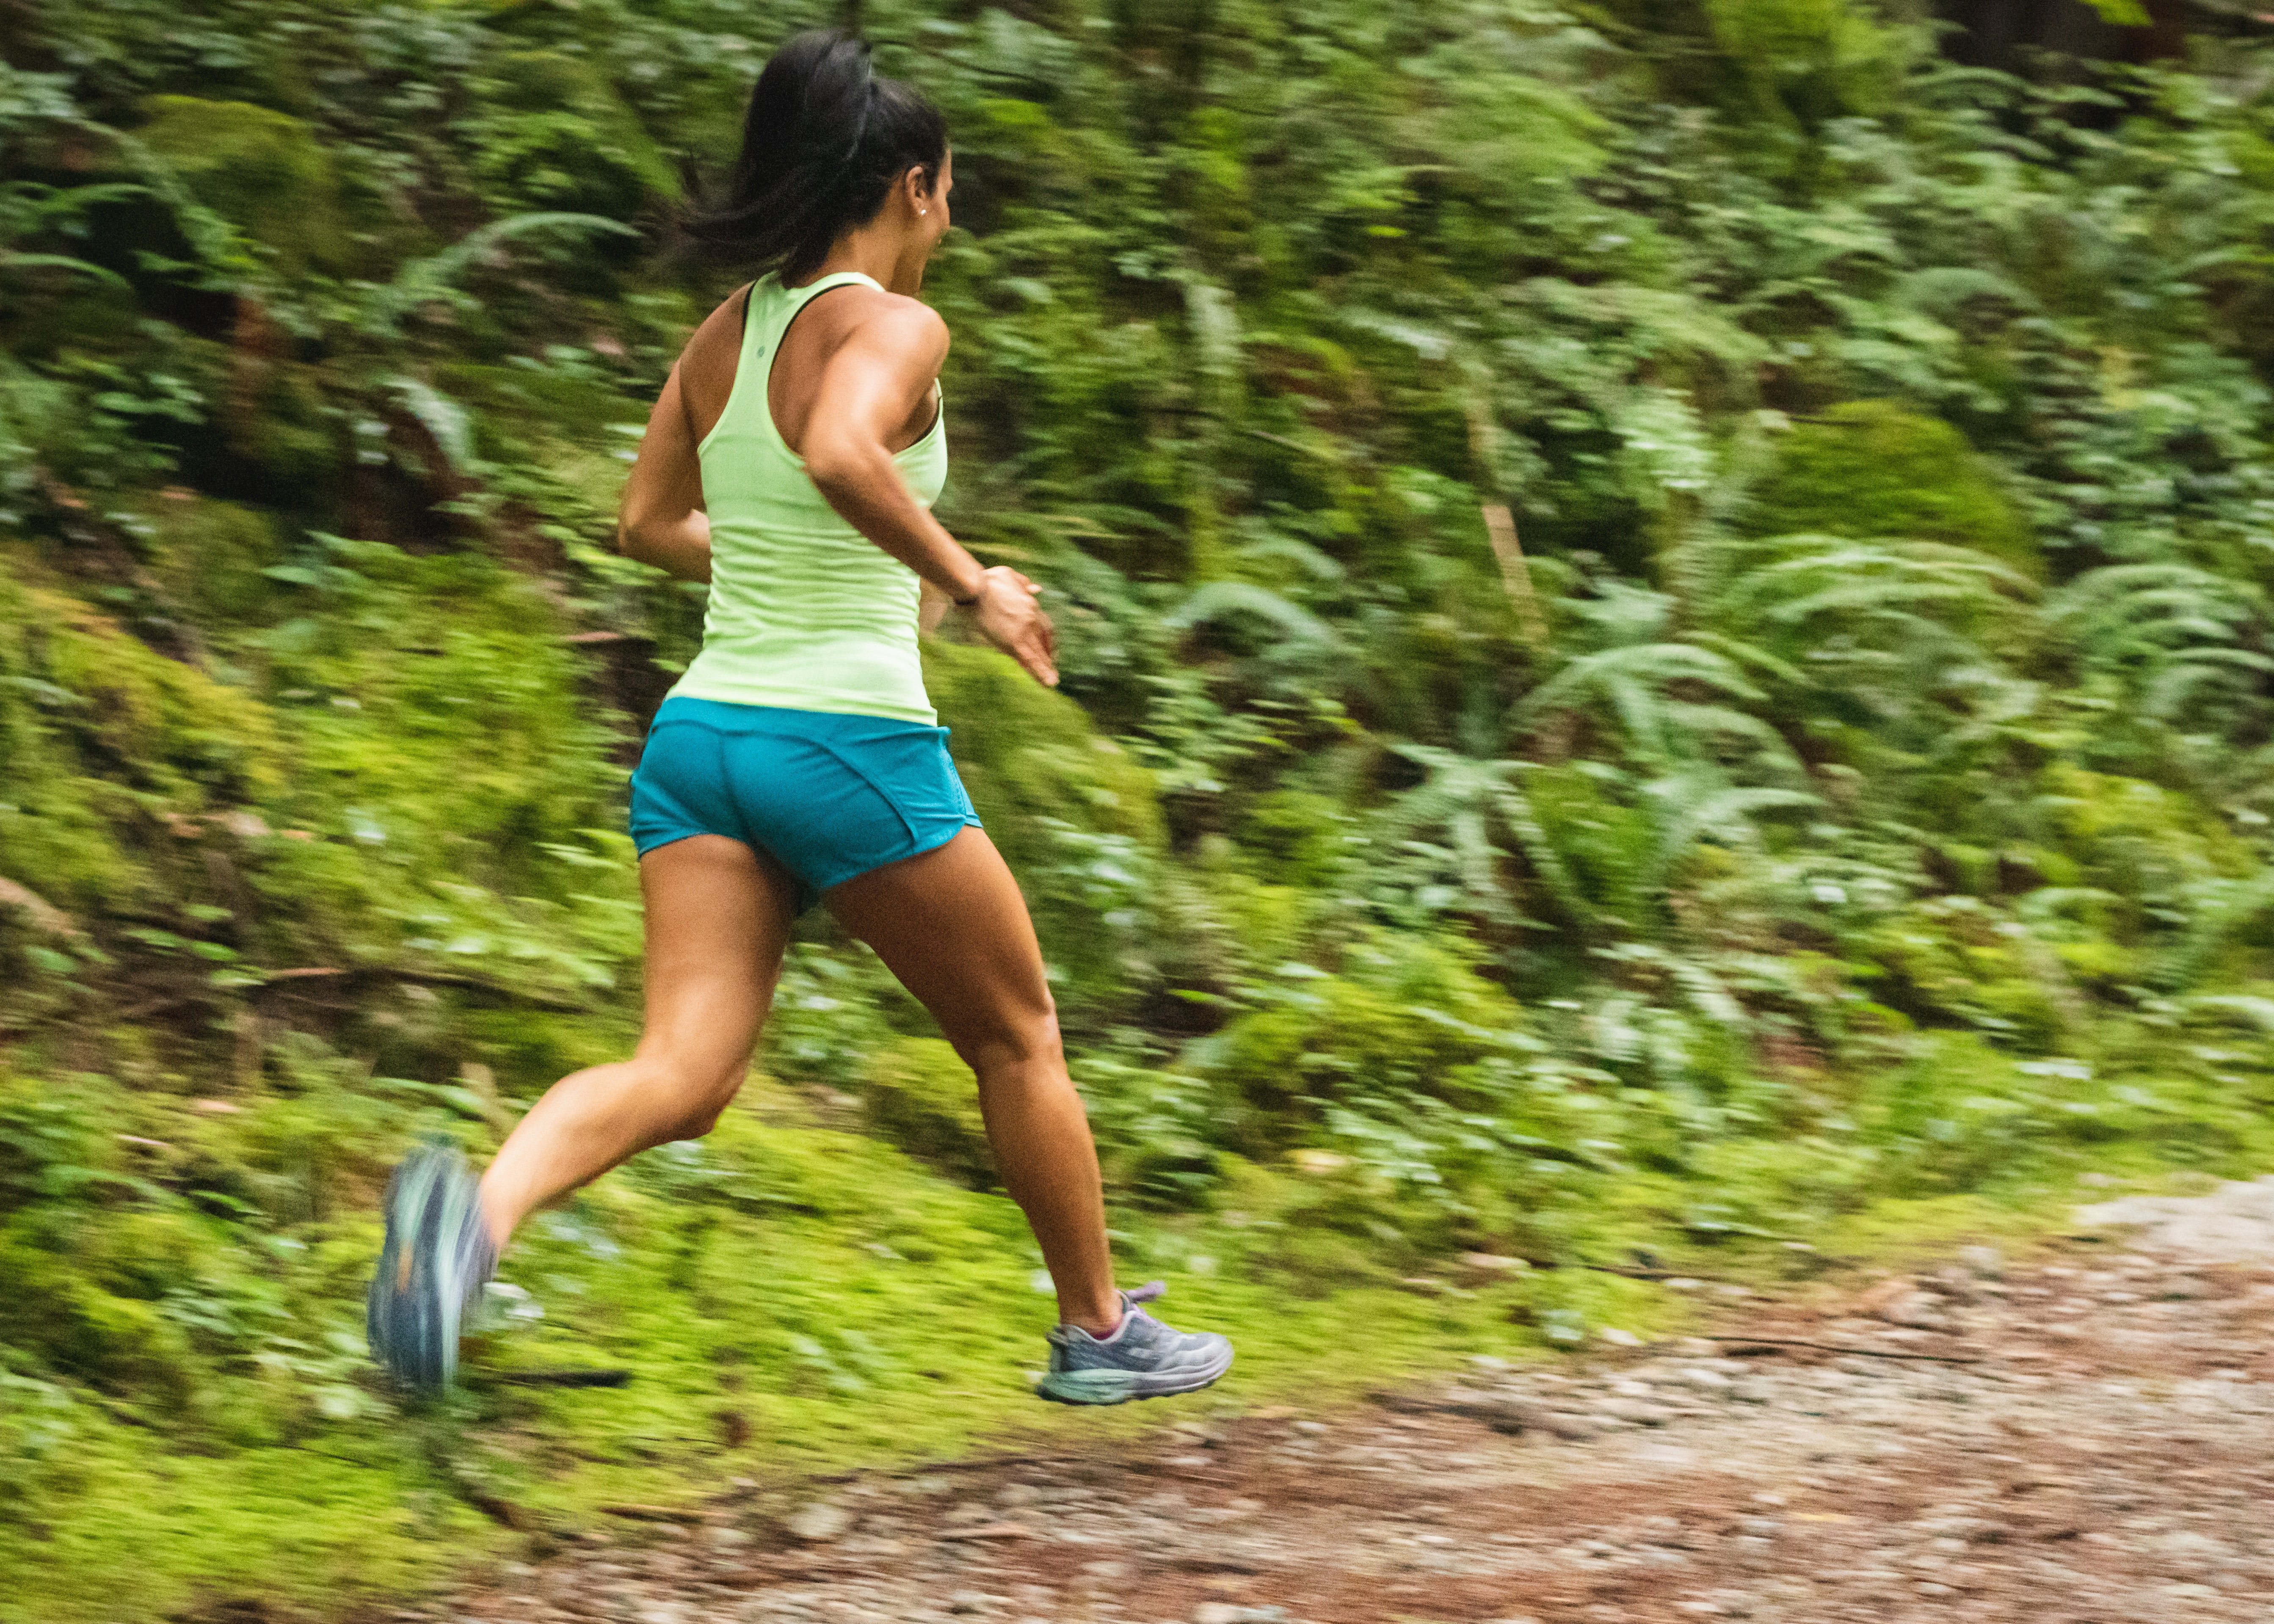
(1035, 651)
(1037, 665)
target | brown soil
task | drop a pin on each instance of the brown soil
(2091, 1439)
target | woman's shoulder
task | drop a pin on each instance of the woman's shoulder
(898, 315)
(861, 319)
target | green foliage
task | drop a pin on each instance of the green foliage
(1810, 61)
(550, 131)
(1073, 816)
(1854, 792)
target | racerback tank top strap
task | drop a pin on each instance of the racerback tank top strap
(768, 309)
(805, 613)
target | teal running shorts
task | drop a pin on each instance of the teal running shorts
(829, 797)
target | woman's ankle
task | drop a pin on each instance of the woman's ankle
(1101, 1321)
(499, 1219)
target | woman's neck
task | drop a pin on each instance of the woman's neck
(878, 251)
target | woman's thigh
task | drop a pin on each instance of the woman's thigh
(951, 924)
(718, 916)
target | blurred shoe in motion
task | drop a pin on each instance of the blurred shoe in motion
(1142, 1358)
(436, 1257)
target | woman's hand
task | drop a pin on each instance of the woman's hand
(1008, 617)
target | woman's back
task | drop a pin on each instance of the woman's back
(806, 614)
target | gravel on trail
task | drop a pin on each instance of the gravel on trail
(2089, 1438)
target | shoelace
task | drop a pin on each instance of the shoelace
(1146, 1293)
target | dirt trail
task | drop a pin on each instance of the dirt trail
(2093, 1439)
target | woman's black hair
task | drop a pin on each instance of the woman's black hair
(824, 142)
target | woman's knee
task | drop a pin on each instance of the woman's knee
(1010, 1040)
(690, 1096)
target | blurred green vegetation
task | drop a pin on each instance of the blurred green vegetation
(1835, 800)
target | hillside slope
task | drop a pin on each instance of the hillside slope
(1666, 621)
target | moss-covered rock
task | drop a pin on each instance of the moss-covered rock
(921, 1097)
(263, 172)
(124, 1343)
(167, 725)
(210, 554)
(98, 734)
(1870, 468)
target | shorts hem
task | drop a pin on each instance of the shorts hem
(642, 848)
(918, 846)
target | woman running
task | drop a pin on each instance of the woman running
(791, 462)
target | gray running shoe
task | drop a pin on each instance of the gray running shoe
(436, 1257)
(1143, 1359)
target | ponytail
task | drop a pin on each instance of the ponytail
(823, 144)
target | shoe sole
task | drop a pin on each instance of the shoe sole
(1121, 1387)
(412, 1321)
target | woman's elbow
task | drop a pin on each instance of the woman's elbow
(837, 468)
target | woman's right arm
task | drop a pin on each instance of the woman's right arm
(661, 521)
(872, 383)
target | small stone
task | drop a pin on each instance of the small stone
(1618, 1338)
(1638, 1412)
(1492, 1263)
(1876, 1297)
(1915, 1310)
(820, 1522)
(1568, 1424)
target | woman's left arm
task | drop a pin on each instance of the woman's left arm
(661, 521)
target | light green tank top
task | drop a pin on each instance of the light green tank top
(805, 612)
